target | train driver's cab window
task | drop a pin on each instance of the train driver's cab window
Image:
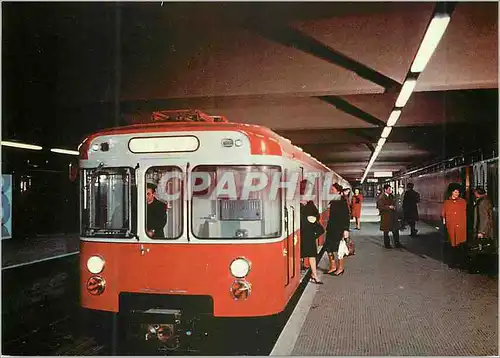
(235, 202)
(163, 202)
(107, 194)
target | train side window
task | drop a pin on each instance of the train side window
(231, 202)
(163, 202)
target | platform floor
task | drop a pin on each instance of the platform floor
(395, 302)
(17, 252)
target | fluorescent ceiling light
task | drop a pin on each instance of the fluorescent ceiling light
(386, 132)
(406, 91)
(21, 145)
(382, 174)
(393, 118)
(432, 36)
(381, 142)
(64, 151)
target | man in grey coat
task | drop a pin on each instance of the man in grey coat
(483, 215)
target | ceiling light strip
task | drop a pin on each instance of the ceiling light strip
(20, 145)
(432, 37)
(64, 151)
(406, 91)
(393, 118)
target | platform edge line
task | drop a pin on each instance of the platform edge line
(288, 337)
(40, 260)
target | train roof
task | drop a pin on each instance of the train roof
(263, 140)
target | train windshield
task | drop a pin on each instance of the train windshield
(106, 201)
(235, 202)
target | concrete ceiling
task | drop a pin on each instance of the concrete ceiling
(325, 75)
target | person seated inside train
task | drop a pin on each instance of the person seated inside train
(156, 216)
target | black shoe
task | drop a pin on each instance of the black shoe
(388, 246)
(398, 245)
(317, 282)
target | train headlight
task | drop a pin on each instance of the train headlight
(240, 267)
(95, 264)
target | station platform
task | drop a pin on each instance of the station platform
(20, 252)
(395, 302)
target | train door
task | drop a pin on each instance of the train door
(169, 181)
(289, 229)
(291, 212)
(286, 230)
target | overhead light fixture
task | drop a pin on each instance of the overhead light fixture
(21, 145)
(393, 118)
(381, 142)
(406, 91)
(432, 36)
(386, 132)
(64, 151)
(382, 174)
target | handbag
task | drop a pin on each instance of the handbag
(351, 247)
(343, 250)
(484, 246)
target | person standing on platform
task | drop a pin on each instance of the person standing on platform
(399, 207)
(410, 201)
(388, 217)
(454, 216)
(336, 230)
(356, 201)
(483, 215)
(310, 230)
(482, 252)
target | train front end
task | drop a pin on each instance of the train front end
(221, 252)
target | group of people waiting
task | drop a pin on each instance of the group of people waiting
(396, 212)
(454, 217)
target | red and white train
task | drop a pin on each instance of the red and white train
(218, 256)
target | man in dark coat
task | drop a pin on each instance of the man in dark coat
(388, 217)
(399, 207)
(156, 216)
(410, 201)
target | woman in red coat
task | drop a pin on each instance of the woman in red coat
(356, 201)
(454, 214)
